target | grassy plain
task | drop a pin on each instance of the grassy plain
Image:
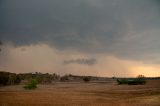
(83, 94)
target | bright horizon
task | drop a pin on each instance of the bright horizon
(81, 37)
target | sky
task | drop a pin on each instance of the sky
(82, 37)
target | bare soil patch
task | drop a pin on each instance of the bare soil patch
(83, 94)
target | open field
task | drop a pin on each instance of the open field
(83, 94)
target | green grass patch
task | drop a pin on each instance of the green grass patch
(32, 84)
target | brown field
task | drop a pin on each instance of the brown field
(83, 94)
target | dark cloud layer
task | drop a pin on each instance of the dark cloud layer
(91, 61)
(124, 28)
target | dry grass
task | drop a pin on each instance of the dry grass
(83, 94)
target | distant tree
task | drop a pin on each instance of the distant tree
(113, 77)
(17, 80)
(64, 78)
(140, 76)
(7, 78)
(141, 79)
(4, 77)
(55, 76)
(86, 79)
(11, 79)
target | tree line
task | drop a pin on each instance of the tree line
(7, 78)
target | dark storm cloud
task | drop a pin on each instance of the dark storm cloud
(91, 61)
(125, 28)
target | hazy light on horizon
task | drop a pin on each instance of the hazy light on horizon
(43, 58)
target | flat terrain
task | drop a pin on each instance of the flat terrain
(83, 94)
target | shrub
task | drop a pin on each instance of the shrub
(64, 78)
(136, 82)
(32, 84)
(140, 80)
(7, 78)
(122, 81)
(17, 80)
(86, 79)
(3, 79)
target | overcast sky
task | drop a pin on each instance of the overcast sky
(83, 37)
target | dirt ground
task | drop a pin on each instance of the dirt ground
(83, 94)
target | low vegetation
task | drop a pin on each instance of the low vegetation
(140, 80)
(7, 78)
(86, 79)
(42, 78)
(32, 84)
(64, 78)
(83, 94)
